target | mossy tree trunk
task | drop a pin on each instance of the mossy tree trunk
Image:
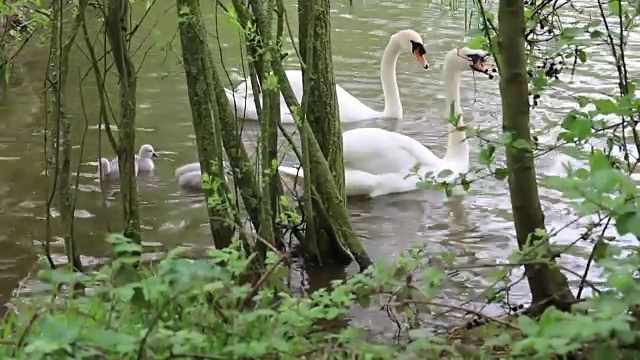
(269, 122)
(203, 106)
(321, 112)
(548, 285)
(60, 134)
(322, 107)
(243, 172)
(116, 23)
(341, 238)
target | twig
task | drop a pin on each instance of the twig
(23, 337)
(454, 307)
(154, 321)
(256, 287)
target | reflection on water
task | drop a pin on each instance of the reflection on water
(476, 228)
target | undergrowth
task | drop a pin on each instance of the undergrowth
(210, 309)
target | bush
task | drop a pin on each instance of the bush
(203, 309)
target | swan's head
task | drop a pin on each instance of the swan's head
(147, 152)
(463, 59)
(411, 40)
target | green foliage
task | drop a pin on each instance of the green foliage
(205, 308)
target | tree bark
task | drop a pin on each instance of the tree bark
(61, 132)
(116, 27)
(323, 118)
(548, 285)
(203, 105)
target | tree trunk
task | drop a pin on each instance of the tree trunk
(61, 132)
(268, 140)
(208, 140)
(322, 115)
(333, 212)
(548, 285)
(117, 20)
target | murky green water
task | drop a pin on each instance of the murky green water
(477, 228)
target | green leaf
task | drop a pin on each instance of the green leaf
(521, 144)
(599, 162)
(527, 326)
(605, 181)
(540, 80)
(565, 136)
(583, 101)
(477, 42)
(582, 56)
(109, 339)
(629, 222)
(581, 173)
(631, 87)
(445, 173)
(606, 106)
(501, 173)
(272, 82)
(579, 126)
(570, 32)
(486, 154)
(614, 7)
(595, 23)
(596, 34)
(600, 250)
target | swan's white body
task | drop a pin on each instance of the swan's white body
(379, 162)
(349, 107)
(143, 161)
(190, 178)
(110, 170)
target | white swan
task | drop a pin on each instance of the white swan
(106, 169)
(143, 160)
(350, 108)
(190, 178)
(378, 162)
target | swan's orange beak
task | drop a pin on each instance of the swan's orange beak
(422, 60)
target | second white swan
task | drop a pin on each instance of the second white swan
(379, 162)
(350, 108)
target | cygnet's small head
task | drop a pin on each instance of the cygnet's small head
(463, 59)
(411, 40)
(147, 152)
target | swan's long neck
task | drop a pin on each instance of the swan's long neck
(392, 104)
(457, 147)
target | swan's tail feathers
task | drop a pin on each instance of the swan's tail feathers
(291, 172)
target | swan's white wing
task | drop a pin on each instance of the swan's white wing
(194, 166)
(352, 109)
(378, 151)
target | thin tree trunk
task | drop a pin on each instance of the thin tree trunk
(322, 115)
(61, 136)
(270, 118)
(203, 105)
(548, 285)
(116, 26)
